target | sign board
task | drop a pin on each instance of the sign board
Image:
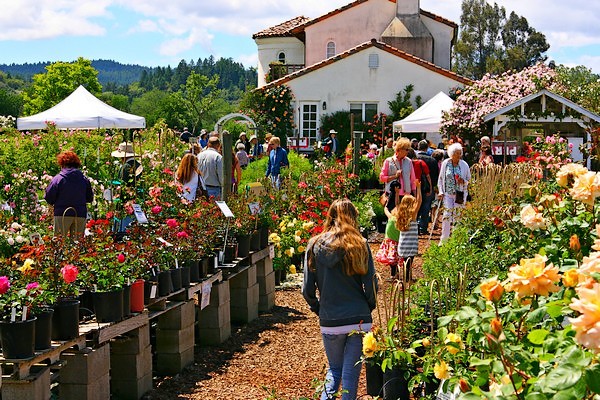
(441, 395)
(511, 148)
(254, 208)
(297, 142)
(256, 189)
(205, 295)
(139, 214)
(225, 209)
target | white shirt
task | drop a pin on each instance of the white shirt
(190, 188)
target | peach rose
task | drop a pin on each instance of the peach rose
(587, 325)
(571, 278)
(586, 187)
(567, 171)
(492, 290)
(532, 276)
(532, 219)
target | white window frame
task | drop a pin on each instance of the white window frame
(279, 53)
(307, 129)
(330, 49)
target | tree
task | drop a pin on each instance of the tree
(59, 81)
(196, 99)
(581, 86)
(489, 43)
(401, 106)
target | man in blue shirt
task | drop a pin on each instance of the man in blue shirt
(277, 159)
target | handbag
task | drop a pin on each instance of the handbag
(460, 197)
(201, 188)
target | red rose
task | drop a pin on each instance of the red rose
(4, 284)
(182, 235)
(69, 273)
(172, 223)
(121, 258)
(156, 209)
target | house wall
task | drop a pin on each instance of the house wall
(442, 41)
(269, 49)
(351, 80)
(348, 29)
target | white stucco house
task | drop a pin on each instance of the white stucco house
(357, 58)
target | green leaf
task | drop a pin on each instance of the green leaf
(563, 377)
(445, 320)
(475, 362)
(537, 336)
(535, 396)
(576, 356)
(592, 378)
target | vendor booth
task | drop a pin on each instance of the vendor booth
(82, 110)
(427, 118)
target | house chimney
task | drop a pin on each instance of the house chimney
(407, 7)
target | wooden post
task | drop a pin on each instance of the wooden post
(355, 153)
(226, 151)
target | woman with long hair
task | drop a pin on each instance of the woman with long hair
(190, 177)
(340, 267)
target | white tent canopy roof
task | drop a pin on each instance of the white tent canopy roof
(426, 118)
(82, 110)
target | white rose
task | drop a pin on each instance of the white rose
(20, 239)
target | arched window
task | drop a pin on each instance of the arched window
(281, 57)
(330, 49)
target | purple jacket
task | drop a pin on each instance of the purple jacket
(70, 188)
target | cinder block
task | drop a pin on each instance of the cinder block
(243, 315)
(85, 366)
(219, 293)
(135, 389)
(174, 363)
(214, 317)
(214, 336)
(266, 283)
(178, 317)
(37, 387)
(99, 389)
(264, 267)
(244, 279)
(133, 342)
(266, 302)
(131, 366)
(174, 341)
(245, 296)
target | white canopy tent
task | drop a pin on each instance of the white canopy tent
(82, 110)
(426, 118)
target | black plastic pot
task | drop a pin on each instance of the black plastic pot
(43, 329)
(65, 320)
(18, 339)
(108, 306)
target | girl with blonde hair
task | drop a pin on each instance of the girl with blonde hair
(406, 215)
(340, 267)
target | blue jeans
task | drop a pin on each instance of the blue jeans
(343, 353)
(424, 211)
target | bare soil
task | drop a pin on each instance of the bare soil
(276, 356)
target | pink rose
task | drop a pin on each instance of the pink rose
(182, 235)
(32, 286)
(156, 209)
(69, 273)
(121, 258)
(172, 223)
(4, 284)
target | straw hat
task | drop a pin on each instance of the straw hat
(124, 150)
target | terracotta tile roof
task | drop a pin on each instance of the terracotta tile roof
(438, 18)
(364, 46)
(284, 29)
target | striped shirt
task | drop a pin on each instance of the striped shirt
(408, 242)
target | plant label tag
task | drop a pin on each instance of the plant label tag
(153, 272)
(139, 214)
(271, 252)
(13, 315)
(254, 208)
(205, 299)
(107, 194)
(443, 395)
(6, 207)
(219, 260)
(224, 209)
(153, 292)
(24, 316)
(163, 241)
(176, 263)
(95, 288)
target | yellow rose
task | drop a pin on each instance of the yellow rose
(308, 225)
(298, 233)
(426, 342)
(532, 276)
(26, 266)
(532, 219)
(440, 370)
(292, 269)
(574, 243)
(453, 338)
(297, 239)
(301, 249)
(289, 252)
(586, 325)
(369, 344)
(571, 278)
(492, 290)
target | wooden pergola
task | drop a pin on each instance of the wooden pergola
(546, 111)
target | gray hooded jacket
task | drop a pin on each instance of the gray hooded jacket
(343, 300)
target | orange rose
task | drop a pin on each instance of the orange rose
(571, 278)
(532, 276)
(492, 290)
(496, 327)
(574, 243)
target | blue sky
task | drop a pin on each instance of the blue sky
(160, 33)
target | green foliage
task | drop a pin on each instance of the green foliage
(59, 81)
(402, 105)
(255, 172)
(195, 100)
(489, 43)
(581, 86)
(340, 121)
